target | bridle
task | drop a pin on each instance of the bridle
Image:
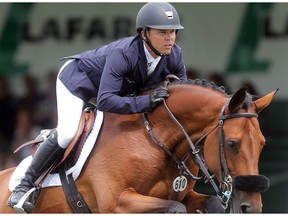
(224, 190)
(225, 178)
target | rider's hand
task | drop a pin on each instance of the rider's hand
(159, 95)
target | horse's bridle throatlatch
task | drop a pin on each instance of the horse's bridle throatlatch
(224, 190)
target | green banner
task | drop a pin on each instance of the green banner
(11, 38)
(242, 58)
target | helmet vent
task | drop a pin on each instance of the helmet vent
(169, 14)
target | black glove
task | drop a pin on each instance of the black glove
(159, 95)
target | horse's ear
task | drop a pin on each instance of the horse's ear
(264, 101)
(237, 99)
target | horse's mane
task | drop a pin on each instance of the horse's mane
(203, 83)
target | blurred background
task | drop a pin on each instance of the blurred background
(232, 44)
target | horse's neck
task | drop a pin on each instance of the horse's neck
(196, 116)
(171, 132)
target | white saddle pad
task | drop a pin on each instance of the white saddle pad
(54, 179)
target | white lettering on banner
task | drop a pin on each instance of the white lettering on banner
(75, 26)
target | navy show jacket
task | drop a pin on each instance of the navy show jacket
(112, 72)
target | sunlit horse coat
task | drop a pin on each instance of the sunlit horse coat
(118, 69)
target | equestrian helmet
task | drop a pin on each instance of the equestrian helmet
(158, 15)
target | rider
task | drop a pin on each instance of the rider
(111, 73)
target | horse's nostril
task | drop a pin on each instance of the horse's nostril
(246, 208)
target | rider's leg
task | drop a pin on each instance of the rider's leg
(47, 153)
(69, 108)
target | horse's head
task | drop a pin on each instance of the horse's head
(238, 142)
(228, 131)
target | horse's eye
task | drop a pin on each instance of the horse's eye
(232, 145)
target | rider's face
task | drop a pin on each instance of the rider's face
(162, 40)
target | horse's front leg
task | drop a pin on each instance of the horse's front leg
(133, 202)
(201, 203)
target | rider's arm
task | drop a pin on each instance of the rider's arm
(116, 67)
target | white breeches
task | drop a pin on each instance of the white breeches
(69, 109)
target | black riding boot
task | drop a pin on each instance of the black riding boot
(47, 153)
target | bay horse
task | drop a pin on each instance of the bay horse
(150, 162)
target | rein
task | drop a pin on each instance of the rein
(224, 190)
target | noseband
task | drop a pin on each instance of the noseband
(224, 190)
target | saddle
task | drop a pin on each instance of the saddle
(75, 146)
(70, 157)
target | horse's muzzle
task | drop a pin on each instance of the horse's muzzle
(251, 183)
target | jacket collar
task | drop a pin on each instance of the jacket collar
(142, 61)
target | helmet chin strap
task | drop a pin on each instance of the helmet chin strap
(148, 42)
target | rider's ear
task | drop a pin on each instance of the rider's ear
(143, 35)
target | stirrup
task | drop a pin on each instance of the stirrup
(19, 206)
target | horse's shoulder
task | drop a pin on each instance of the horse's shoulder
(7, 172)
